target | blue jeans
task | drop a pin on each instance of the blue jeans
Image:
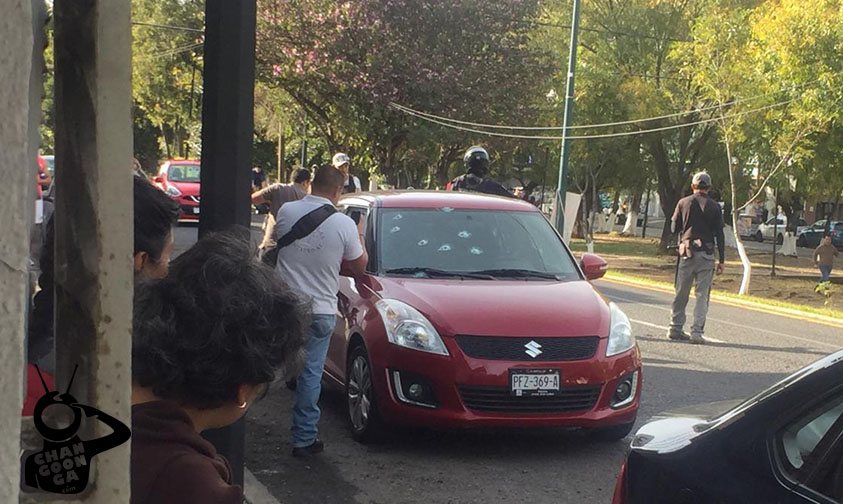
(825, 273)
(309, 384)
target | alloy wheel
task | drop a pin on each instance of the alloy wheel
(359, 393)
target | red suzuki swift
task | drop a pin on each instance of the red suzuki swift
(473, 312)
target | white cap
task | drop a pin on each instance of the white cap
(340, 159)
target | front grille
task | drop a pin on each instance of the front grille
(501, 400)
(511, 348)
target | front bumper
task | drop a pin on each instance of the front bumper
(475, 392)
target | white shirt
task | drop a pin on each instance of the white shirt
(311, 265)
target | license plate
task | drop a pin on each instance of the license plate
(195, 210)
(534, 382)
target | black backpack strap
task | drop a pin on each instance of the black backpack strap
(306, 225)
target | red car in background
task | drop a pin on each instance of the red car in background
(180, 180)
(473, 312)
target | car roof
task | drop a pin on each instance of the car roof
(438, 199)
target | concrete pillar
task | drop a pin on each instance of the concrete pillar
(93, 222)
(17, 194)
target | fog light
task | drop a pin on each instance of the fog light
(623, 390)
(413, 389)
(416, 391)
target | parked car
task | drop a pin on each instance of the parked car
(783, 445)
(180, 180)
(766, 230)
(813, 235)
(473, 312)
(748, 224)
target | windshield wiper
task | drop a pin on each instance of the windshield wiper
(518, 273)
(437, 273)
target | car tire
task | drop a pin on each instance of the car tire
(779, 239)
(759, 237)
(363, 417)
(800, 242)
(613, 433)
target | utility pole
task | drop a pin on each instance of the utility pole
(303, 144)
(227, 138)
(775, 230)
(562, 186)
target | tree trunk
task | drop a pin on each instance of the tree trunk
(632, 216)
(747, 266)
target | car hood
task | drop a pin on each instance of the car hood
(675, 429)
(186, 188)
(504, 307)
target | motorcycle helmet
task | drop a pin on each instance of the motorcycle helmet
(476, 161)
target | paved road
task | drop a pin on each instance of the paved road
(546, 466)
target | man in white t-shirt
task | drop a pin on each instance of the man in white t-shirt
(311, 266)
(342, 163)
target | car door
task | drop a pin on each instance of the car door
(348, 300)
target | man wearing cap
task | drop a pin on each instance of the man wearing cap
(699, 220)
(342, 163)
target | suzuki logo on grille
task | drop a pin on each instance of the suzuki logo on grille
(533, 349)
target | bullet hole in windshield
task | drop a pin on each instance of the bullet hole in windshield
(422, 243)
(395, 229)
(445, 248)
(446, 209)
(398, 217)
(476, 251)
(464, 234)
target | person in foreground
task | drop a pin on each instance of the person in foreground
(699, 221)
(314, 241)
(207, 341)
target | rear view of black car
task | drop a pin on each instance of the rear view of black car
(785, 445)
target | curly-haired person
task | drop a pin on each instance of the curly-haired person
(207, 341)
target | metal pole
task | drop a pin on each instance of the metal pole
(227, 138)
(646, 212)
(775, 230)
(562, 186)
(303, 161)
(544, 178)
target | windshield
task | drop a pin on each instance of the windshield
(183, 173)
(430, 243)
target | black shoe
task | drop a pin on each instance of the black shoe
(678, 336)
(291, 384)
(308, 451)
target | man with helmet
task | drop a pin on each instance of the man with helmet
(476, 161)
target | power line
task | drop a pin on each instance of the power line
(168, 27)
(586, 137)
(171, 52)
(602, 125)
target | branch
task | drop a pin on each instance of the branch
(781, 163)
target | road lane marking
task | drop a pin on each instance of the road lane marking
(714, 319)
(781, 312)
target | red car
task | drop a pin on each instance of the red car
(180, 180)
(473, 312)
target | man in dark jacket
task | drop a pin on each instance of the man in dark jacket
(699, 221)
(476, 161)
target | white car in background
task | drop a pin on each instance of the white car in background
(766, 230)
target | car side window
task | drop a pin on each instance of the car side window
(810, 446)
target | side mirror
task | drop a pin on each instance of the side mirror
(593, 266)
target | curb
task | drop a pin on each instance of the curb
(255, 492)
(774, 310)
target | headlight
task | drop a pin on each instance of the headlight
(620, 332)
(406, 327)
(172, 191)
